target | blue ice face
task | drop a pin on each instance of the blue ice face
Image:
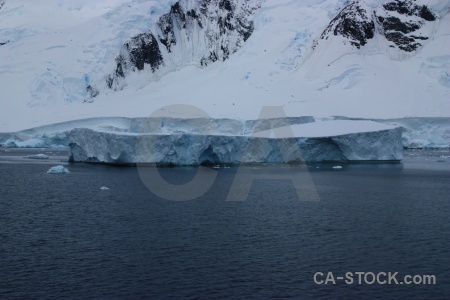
(86, 79)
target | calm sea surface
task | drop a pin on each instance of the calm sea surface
(61, 236)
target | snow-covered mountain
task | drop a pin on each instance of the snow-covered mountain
(192, 32)
(67, 60)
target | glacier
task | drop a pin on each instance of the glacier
(296, 143)
(419, 133)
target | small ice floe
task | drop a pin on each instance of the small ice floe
(104, 188)
(442, 158)
(58, 170)
(37, 156)
(337, 167)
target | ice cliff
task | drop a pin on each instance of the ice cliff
(416, 132)
(307, 142)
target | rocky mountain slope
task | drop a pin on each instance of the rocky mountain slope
(192, 32)
(404, 24)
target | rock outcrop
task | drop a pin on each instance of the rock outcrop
(400, 21)
(192, 32)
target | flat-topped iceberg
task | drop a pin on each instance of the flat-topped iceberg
(417, 132)
(343, 140)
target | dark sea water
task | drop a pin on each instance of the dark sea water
(61, 236)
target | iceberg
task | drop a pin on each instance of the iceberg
(58, 170)
(55, 135)
(275, 143)
(103, 188)
(37, 156)
(416, 132)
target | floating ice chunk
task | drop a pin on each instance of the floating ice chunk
(57, 170)
(37, 156)
(104, 188)
(337, 167)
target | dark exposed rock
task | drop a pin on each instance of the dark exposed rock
(141, 50)
(403, 42)
(354, 23)
(398, 31)
(93, 92)
(209, 16)
(426, 14)
(395, 24)
(212, 57)
(245, 29)
(166, 23)
(226, 5)
(402, 7)
(226, 23)
(193, 15)
(220, 25)
(358, 25)
(405, 7)
(109, 81)
(224, 16)
(145, 50)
